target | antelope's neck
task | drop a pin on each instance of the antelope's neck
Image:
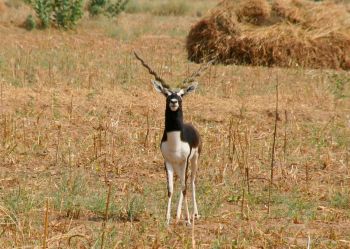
(173, 121)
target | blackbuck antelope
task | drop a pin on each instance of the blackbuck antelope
(181, 142)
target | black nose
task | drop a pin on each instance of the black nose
(173, 101)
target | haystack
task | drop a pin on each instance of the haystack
(254, 11)
(286, 33)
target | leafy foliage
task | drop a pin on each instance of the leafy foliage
(43, 10)
(67, 13)
(97, 7)
(61, 13)
(29, 23)
(116, 8)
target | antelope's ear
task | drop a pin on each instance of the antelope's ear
(189, 89)
(160, 88)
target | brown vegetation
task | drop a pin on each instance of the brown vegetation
(254, 11)
(290, 33)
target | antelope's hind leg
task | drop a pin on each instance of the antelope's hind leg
(194, 166)
(183, 181)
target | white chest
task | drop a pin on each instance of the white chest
(173, 149)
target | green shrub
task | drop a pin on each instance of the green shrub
(107, 7)
(43, 10)
(29, 23)
(96, 7)
(61, 13)
(66, 13)
(116, 8)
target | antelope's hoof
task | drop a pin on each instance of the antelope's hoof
(196, 216)
(187, 223)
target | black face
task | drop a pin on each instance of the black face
(174, 101)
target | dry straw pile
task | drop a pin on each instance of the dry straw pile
(286, 33)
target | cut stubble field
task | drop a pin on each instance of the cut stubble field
(80, 121)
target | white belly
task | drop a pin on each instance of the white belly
(174, 150)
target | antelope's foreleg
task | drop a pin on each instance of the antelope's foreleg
(170, 184)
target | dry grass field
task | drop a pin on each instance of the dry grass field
(79, 118)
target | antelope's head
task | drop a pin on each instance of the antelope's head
(174, 97)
